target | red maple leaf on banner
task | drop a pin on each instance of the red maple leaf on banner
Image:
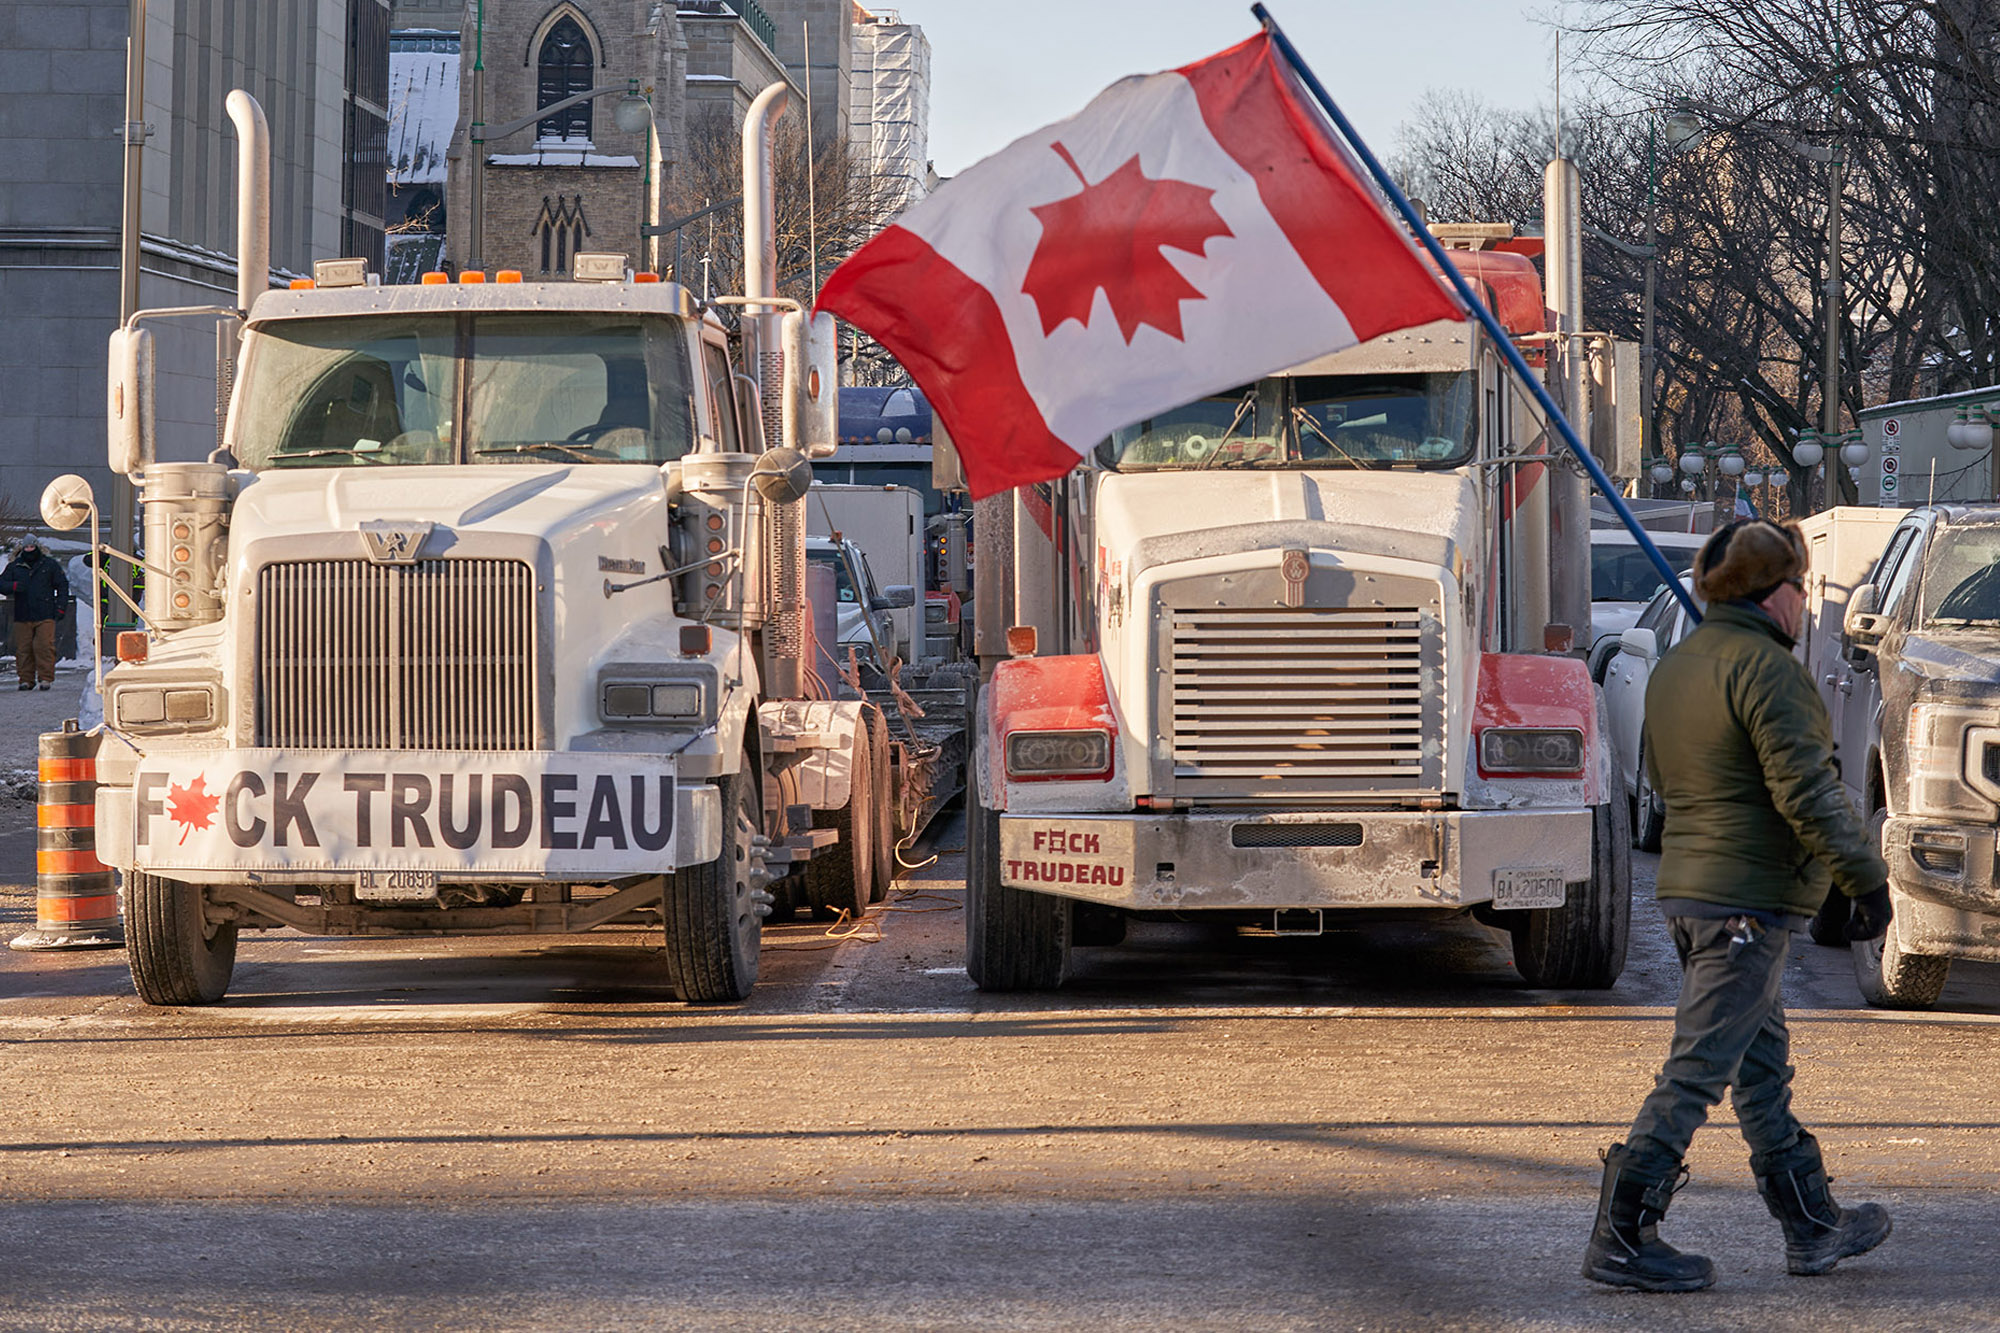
(1110, 235)
(191, 806)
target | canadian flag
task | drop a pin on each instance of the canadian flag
(1186, 232)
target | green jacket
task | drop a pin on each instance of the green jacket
(1740, 748)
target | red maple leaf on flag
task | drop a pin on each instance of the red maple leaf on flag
(1111, 236)
(191, 806)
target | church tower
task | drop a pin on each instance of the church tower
(584, 177)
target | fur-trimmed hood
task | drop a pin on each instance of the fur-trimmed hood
(1747, 560)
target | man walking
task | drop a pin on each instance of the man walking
(41, 598)
(1741, 748)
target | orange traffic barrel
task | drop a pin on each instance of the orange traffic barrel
(76, 897)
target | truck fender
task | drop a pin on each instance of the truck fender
(1538, 690)
(814, 738)
(1059, 693)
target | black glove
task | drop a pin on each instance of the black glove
(1872, 914)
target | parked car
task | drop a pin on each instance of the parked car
(1916, 709)
(1623, 581)
(1661, 625)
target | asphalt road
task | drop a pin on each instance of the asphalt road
(1381, 1129)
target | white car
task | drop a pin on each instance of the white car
(1661, 625)
(1623, 580)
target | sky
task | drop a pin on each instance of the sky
(1000, 68)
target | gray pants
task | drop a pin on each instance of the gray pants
(1729, 1033)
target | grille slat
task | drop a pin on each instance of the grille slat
(1318, 699)
(434, 655)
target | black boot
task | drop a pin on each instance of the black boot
(1625, 1247)
(1819, 1233)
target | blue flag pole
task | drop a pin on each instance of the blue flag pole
(1487, 320)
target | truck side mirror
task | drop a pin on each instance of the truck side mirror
(812, 380)
(129, 400)
(896, 596)
(1641, 643)
(67, 502)
(1862, 624)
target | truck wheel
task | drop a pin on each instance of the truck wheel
(1014, 940)
(176, 957)
(1891, 977)
(886, 830)
(843, 878)
(1650, 812)
(713, 929)
(1581, 945)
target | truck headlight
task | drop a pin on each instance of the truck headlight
(1058, 754)
(685, 702)
(183, 707)
(1939, 783)
(1531, 750)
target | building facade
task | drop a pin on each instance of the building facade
(575, 179)
(62, 84)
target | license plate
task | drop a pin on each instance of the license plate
(395, 886)
(1518, 887)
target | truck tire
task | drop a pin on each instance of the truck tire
(843, 877)
(1581, 945)
(886, 830)
(1014, 940)
(176, 958)
(713, 928)
(1891, 977)
(1649, 812)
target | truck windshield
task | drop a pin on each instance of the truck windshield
(1961, 577)
(1308, 421)
(498, 388)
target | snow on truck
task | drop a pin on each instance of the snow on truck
(486, 617)
(1286, 657)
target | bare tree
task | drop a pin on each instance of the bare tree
(817, 227)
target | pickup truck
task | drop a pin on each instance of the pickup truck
(1915, 695)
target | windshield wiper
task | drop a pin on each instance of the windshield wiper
(539, 446)
(278, 460)
(1229, 431)
(1301, 417)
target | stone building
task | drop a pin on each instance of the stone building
(574, 180)
(319, 69)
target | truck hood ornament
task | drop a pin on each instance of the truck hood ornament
(394, 543)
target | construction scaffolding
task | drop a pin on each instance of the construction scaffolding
(889, 111)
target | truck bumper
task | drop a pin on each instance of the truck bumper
(1358, 859)
(1947, 901)
(255, 823)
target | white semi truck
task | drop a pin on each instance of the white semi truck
(1285, 657)
(487, 616)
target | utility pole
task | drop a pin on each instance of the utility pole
(134, 131)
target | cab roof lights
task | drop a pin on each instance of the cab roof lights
(436, 279)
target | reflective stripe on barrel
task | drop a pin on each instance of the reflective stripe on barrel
(73, 889)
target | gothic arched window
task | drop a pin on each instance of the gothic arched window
(563, 69)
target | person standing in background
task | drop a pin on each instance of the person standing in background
(41, 596)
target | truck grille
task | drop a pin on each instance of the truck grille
(1322, 699)
(436, 655)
